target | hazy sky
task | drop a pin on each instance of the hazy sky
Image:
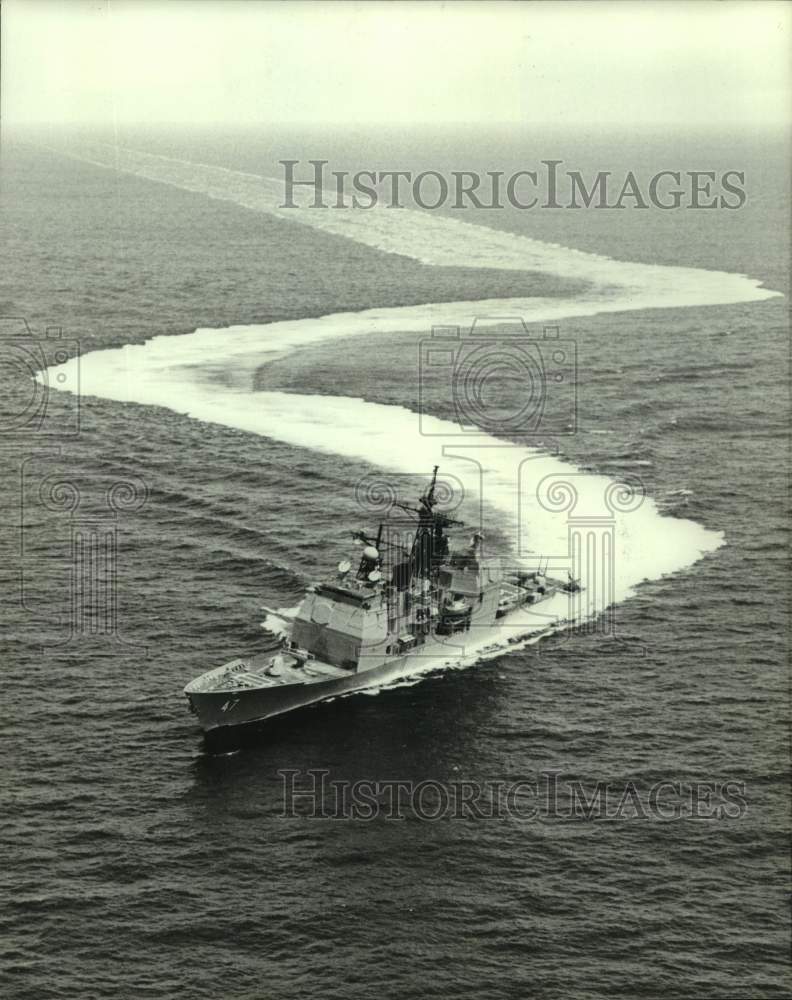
(218, 60)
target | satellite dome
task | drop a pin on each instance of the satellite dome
(370, 552)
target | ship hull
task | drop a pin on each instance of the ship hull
(229, 710)
(410, 609)
(222, 713)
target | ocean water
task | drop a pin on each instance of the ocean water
(138, 864)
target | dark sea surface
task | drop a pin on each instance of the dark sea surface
(135, 864)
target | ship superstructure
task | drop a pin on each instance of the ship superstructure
(409, 602)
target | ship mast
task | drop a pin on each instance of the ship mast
(430, 545)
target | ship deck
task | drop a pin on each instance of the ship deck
(263, 671)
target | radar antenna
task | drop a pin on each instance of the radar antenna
(429, 498)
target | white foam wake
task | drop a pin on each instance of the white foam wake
(177, 373)
(440, 240)
(521, 484)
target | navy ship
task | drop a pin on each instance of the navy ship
(410, 605)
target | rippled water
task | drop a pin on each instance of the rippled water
(139, 866)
